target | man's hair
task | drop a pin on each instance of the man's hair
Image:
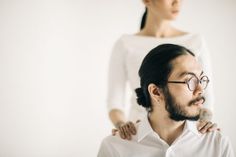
(156, 68)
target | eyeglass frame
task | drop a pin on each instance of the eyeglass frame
(198, 81)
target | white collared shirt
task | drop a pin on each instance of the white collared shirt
(147, 143)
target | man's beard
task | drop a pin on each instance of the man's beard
(176, 112)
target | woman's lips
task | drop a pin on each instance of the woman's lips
(175, 12)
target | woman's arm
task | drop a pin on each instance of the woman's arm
(117, 78)
(125, 129)
(117, 117)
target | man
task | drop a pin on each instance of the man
(172, 85)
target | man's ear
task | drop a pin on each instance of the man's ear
(154, 91)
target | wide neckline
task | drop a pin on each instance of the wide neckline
(156, 38)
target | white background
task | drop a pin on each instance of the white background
(53, 69)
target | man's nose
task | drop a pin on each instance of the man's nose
(199, 89)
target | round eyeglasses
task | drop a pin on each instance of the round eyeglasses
(193, 82)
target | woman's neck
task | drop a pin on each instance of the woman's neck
(159, 28)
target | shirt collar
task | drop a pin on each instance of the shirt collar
(144, 128)
(192, 127)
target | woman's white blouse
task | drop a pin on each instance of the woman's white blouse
(126, 58)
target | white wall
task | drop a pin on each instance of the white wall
(53, 69)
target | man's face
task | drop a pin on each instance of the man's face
(180, 101)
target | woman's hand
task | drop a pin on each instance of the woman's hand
(125, 130)
(205, 124)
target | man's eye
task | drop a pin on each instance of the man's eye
(188, 78)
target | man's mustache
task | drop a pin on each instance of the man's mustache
(196, 100)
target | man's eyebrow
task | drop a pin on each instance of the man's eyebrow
(201, 73)
(188, 73)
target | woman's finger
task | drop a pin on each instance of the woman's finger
(204, 129)
(114, 132)
(138, 121)
(121, 132)
(127, 132)
(201, 124)
(132, 128)
(213, 127)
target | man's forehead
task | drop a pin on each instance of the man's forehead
(186, 64)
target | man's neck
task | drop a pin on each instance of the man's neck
(166, 128)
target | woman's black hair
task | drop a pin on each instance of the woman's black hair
(143, 21)
(156, 68)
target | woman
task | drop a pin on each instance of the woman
(129, 51)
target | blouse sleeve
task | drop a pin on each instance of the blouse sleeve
(117, 78)
(204, 59)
